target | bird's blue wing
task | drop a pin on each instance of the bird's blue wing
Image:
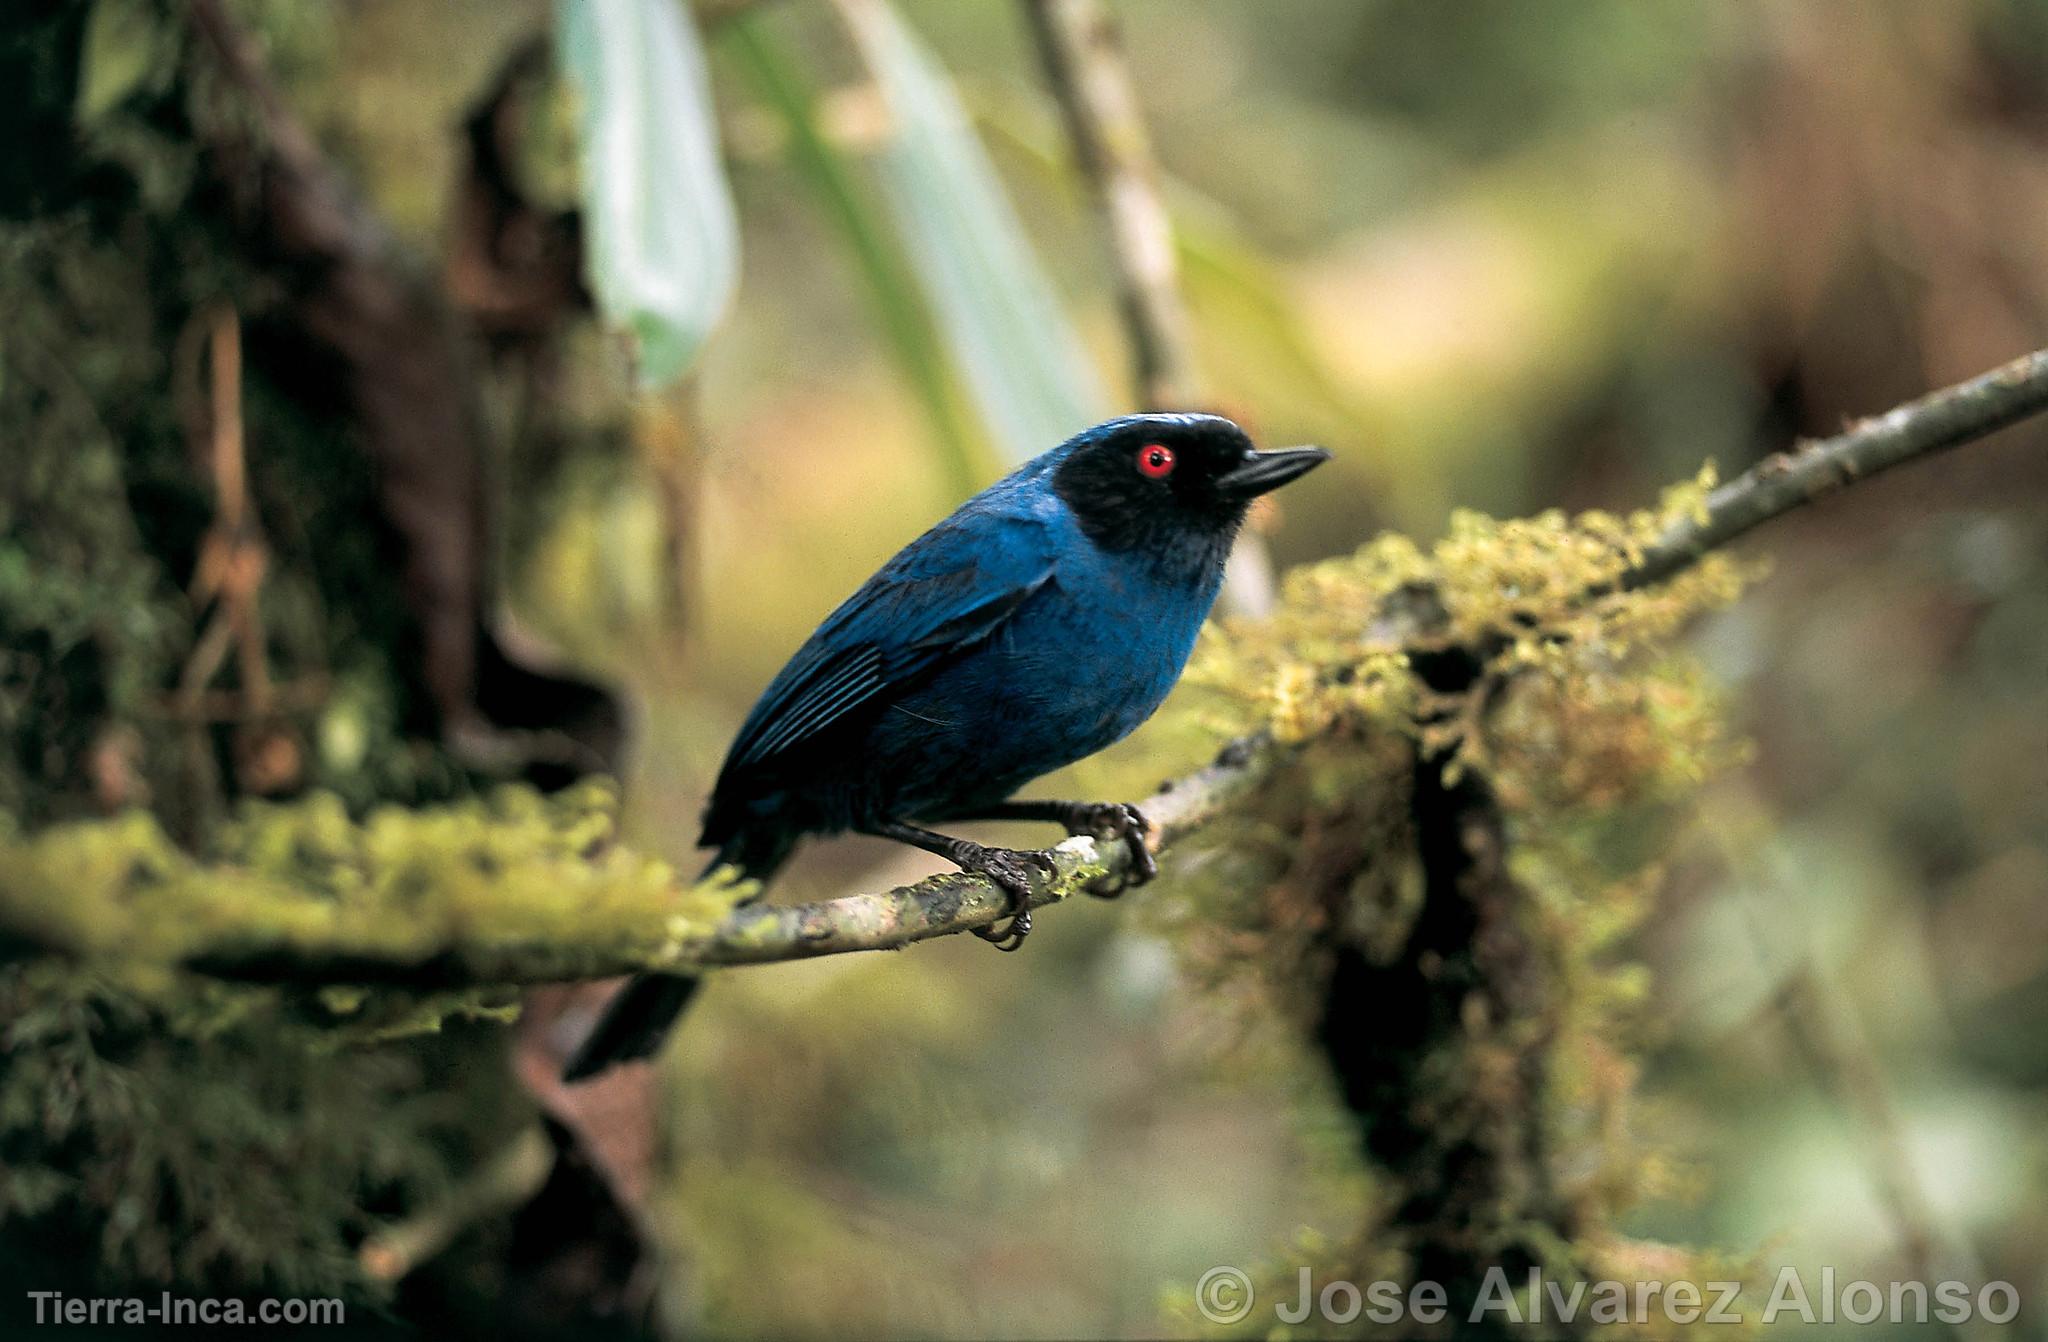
(946, 591)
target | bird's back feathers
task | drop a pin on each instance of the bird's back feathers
(942, 594)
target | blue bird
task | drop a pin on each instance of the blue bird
(1042, 621)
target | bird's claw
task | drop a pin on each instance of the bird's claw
(1117, 820)
(1007, 936)
(1010, 870)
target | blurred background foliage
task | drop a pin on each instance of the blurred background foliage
(1495, 255)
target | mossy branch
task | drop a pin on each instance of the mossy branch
(760, 933)
(514, 891)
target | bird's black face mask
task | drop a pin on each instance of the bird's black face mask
(1172, 483)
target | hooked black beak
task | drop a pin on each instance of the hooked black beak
(1263, 472)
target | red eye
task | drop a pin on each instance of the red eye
(1155, 460)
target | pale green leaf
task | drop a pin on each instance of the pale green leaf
(1021, 357)
(662, 236)
(124, 51)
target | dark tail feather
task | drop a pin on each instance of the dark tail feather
(637, 1019)
(634, 1023)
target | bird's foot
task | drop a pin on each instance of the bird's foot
(1115, 820)
(1011, 870)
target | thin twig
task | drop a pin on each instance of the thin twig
(668, 430)
(228, 576)
(1831, 1041)
(507, 1180)
(1084, 65)
(1839, 1054)
(1776, 485)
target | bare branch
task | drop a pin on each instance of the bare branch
(1936, 422)
(1084, 65)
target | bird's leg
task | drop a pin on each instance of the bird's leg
(1102, 819)
(1006, 867)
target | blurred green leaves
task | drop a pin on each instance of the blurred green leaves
(663, 236)
(1021, 357)
(831, 172)
(125, 51)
